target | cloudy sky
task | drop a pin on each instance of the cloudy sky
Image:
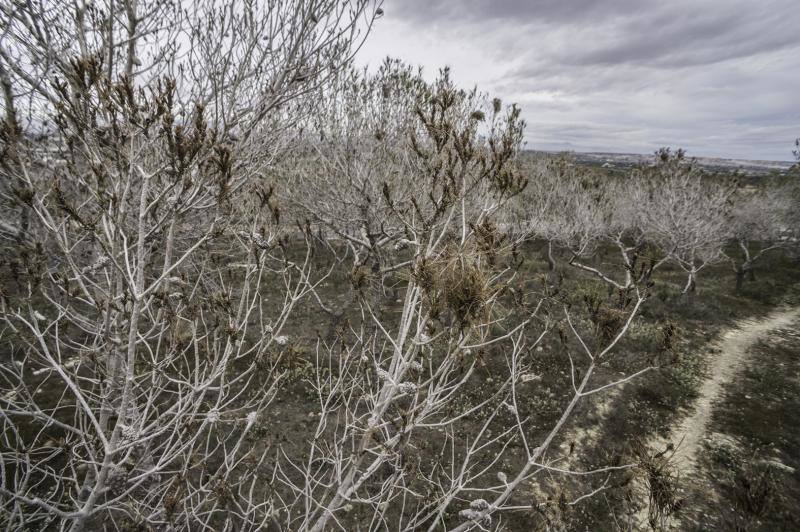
(720, 78)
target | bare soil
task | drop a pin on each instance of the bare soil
(729, 356)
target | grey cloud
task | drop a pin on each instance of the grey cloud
(675, 33)
(693, 38)
(718, 77)
(481, 11)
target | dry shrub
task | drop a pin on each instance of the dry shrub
(465, 290)
(361, 277)
(666, 338)
(608, 318)
(755, 489)
(661, 479)
(488, 239)
(424, 274)
(608, 322)
(456, 282)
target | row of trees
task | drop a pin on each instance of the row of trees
(352, 150)
(669, 211)
(171, 174)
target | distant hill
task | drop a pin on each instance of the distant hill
(624, 161)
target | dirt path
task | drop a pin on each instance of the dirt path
(729, 355)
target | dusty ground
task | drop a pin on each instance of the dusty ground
(747, 464)
(731, 353)
(728, 355)
(606, 424)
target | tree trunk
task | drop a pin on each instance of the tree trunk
(690, 289)
(24, 223)
(739, 279)
(551, 262)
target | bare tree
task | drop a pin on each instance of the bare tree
(563, 205)
(138, 320)
(582, 211)
(760, 223)
(152, 290)
(392, 387)
(349, 150)
(796, 152)
(687, 213)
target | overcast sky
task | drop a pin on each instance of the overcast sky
(720, 78)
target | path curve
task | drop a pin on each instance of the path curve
(729, 357)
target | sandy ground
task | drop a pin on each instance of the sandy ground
(728, 355)
(731, 354)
